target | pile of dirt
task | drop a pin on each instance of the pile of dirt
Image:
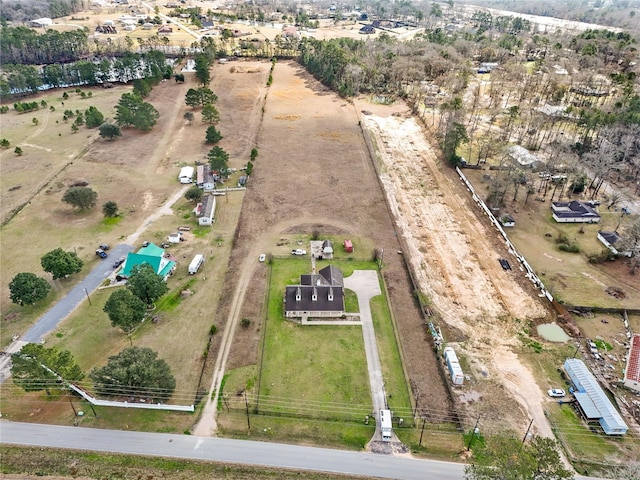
(616, 292)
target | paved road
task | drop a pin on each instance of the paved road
(61, 310)
(50, 320)
(228, 450)
(231, 451)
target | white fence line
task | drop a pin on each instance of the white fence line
(530, 273)
(148, 406)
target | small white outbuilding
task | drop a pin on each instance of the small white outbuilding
(186, 174)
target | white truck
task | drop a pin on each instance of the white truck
(385, 425)
(196, 263)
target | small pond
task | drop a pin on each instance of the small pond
(552, 332)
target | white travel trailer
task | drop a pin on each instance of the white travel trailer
(186, 174)
(196, 263)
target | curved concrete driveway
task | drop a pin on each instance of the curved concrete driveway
(366, 285)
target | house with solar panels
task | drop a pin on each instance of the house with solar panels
(632, 370)
(593, 403)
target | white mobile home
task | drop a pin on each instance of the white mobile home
(455, 370)
(196, 263)
(186, 175)
(205, 211)
(41, 23)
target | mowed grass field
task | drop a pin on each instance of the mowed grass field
(318, 372)
(570, 277)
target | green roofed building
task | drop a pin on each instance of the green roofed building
(154, 256)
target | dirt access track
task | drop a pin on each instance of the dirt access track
(314, 172)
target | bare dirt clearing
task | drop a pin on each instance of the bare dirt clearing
(455, 258)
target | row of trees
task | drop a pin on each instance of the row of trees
(19, 10)
(135, 372)
(24, 79)
(22, 45)
(27, 288)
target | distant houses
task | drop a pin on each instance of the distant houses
(609, 239)
(524, 157)
(632, 370)
(205, 178)
(41, 23)
(186, 175)
(574, 212)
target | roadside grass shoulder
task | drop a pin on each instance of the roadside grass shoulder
(36, 462)
(441, 441)
(352, 435)
(579, 441)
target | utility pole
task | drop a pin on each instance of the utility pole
(88, 297)
(424, 420)
(473, 434)
(526, 434)
(246, 404)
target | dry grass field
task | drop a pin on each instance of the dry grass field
(139, 172)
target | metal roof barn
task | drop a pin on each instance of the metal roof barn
(592, 398)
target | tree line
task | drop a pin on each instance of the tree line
(21, 10)
(25, 46)
(18, 79)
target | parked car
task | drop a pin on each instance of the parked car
(145, 244)
(298, 251)
(262, 257)
(103, 246)
(101, 253)
(556, 392)
(118, 262)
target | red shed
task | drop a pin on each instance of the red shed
(348, 246)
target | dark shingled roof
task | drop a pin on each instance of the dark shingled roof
(317, 292)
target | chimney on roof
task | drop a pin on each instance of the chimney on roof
(331, 294)
(298, 294)
(314, 296)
